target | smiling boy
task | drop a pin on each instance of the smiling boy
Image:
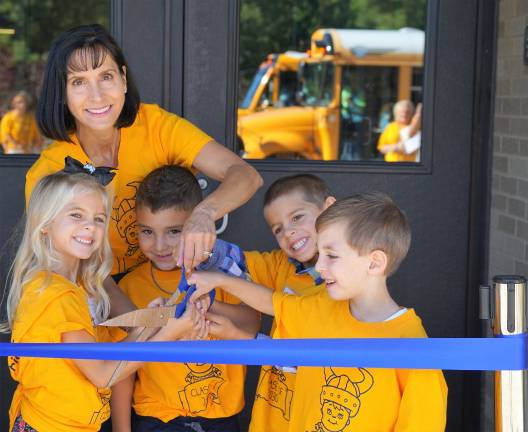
(174, 397)
(291, 206)
(361, 241)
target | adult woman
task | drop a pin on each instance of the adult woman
(90, 106)
(405, 125)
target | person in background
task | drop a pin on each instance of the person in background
(18, 128)
(391, 141)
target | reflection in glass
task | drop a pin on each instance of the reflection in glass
(335, 98)
(18, 127)
(27, 29)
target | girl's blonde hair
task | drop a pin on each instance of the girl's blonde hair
(36, 253)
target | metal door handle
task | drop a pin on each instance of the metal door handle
(223, 226)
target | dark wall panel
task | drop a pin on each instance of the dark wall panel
(210, 66)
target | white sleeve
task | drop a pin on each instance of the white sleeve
(405, 133)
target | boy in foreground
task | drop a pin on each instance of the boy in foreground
(179, 397)
(361, 241)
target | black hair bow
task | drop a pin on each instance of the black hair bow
(103, 175)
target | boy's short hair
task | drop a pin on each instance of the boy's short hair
(170, 186)
(314, 189)
(373, 222)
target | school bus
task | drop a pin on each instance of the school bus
(333, 102)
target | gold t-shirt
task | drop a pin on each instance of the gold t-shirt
(53, 394)
(22, 128)
(156, 138)
(354, 398)
(276, 386)
(169, 390)
(390, 136)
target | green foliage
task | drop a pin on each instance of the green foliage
(273, 26)
(37, 23)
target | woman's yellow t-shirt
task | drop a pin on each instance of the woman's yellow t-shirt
(169, 390)
(156, 138)
(53, 394)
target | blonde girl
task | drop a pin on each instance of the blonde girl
(57, 295)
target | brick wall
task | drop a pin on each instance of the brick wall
(509, 201)
(508, 251)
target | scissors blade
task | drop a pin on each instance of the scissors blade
(148, 317)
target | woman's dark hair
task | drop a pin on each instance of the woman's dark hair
(93, 43)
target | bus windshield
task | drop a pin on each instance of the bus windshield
(254, 86)
(317, 83)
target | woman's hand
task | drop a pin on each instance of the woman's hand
(197, 238)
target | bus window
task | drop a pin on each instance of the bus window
(367, 95)
(317, 85)
(266, 97)
(417, 85)
(246, 102)
(288, 87)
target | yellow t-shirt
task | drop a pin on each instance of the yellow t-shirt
(391, 136)
(275, 389)
(23, 129)
(53, 394)
(169, 390)
(156, 138)
(358, 399)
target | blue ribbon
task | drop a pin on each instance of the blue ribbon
(506, 353)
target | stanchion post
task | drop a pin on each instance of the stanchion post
(508, 307)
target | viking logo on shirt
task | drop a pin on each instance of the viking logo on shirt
(204, 382)
(124, 217)
(274, 390)
(340, 398)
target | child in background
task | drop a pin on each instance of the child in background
(57, 295)
(361, 241)
(190, 396)
(18, 128)
(291, 206)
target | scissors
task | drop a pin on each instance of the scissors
(156, 317)
(225, 257)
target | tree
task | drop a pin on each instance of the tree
(37, 23)
(273, 26)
